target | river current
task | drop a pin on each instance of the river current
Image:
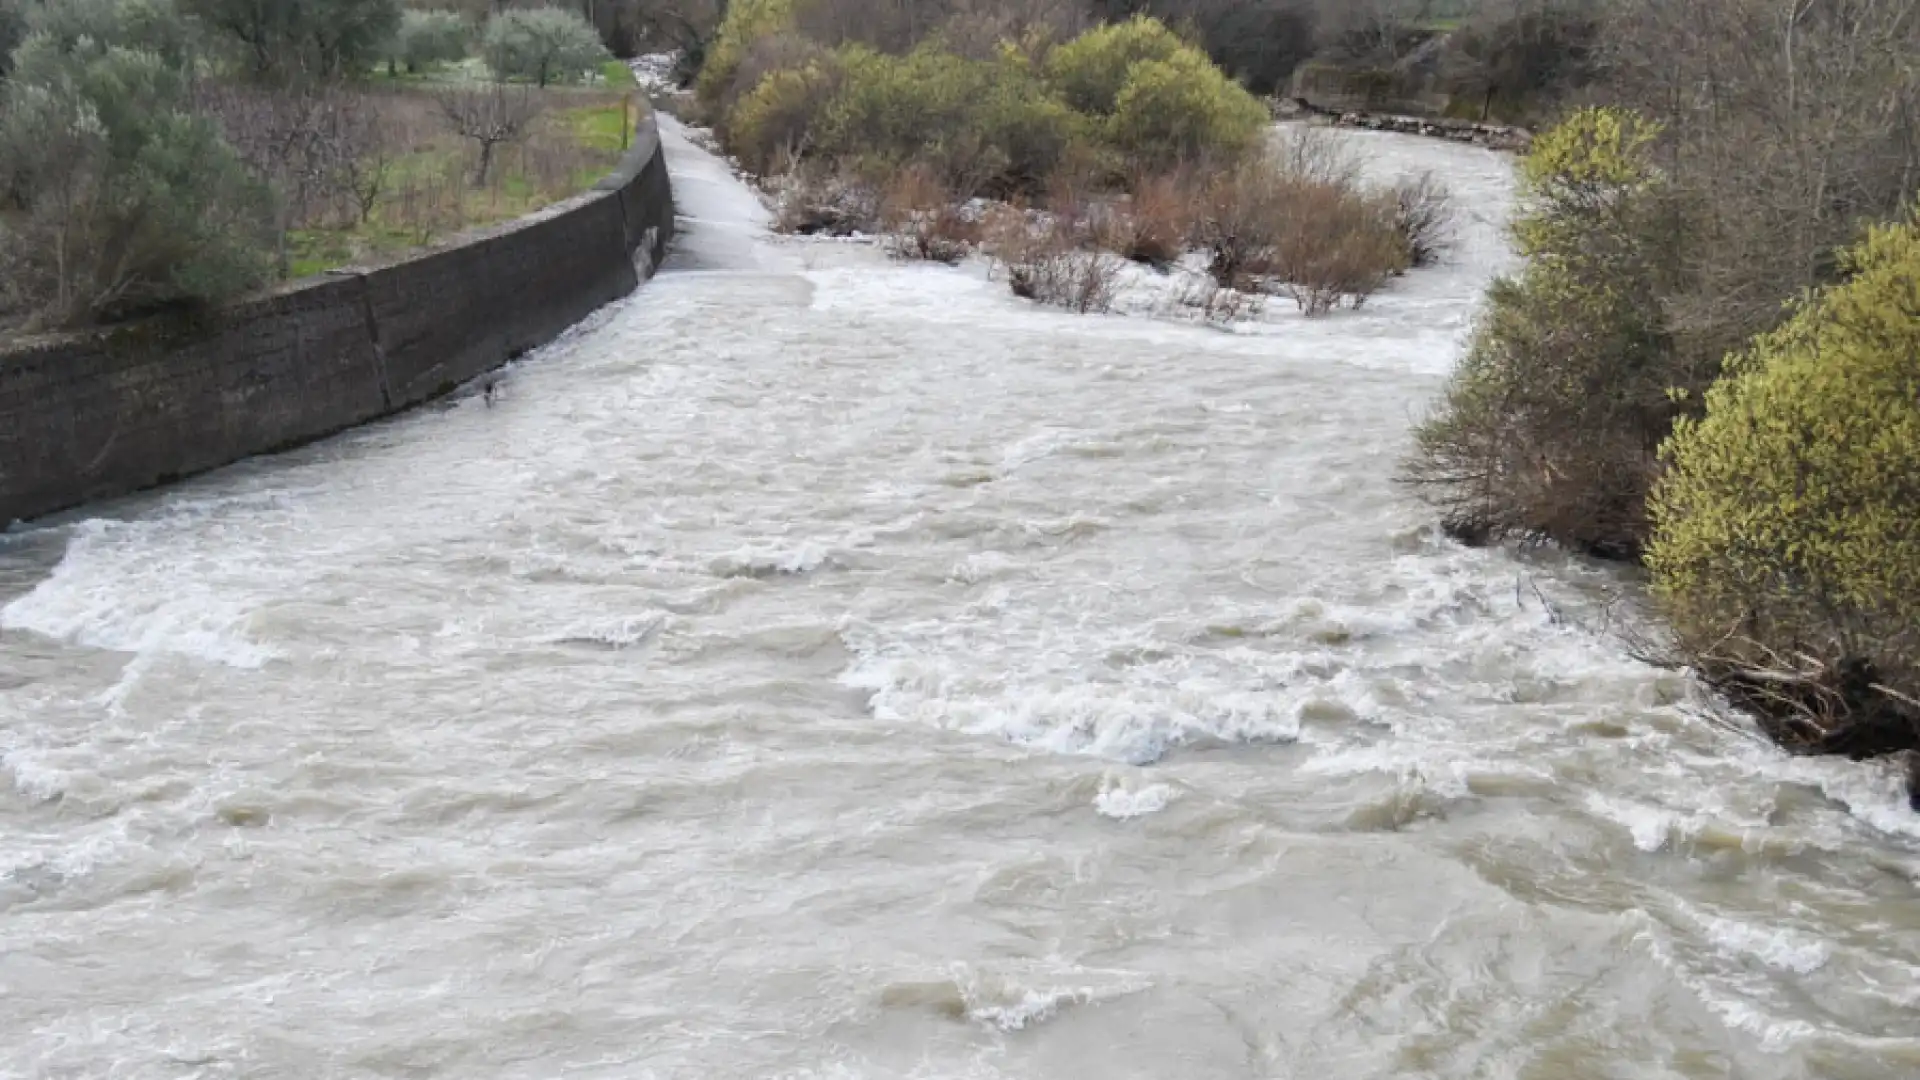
(816, 666)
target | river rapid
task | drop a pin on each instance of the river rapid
(816, 666)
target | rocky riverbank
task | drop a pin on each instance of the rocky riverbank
(1493, 136)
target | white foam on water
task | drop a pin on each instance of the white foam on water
(770, 560)
(1132, 721)
(1775, 947)
(1010, 1002)
(1121, 803)
(616, 632)
(110, 592)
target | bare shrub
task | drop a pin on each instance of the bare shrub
(923, 219)
(814, 200)
(1423, 217)
(1314, 155)
(1052, 259)
(1300, 225)
(1154, 223)
(1334, 245)
(490, 116)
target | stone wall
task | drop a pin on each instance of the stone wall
(103, 413)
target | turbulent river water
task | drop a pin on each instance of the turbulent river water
(822, 667)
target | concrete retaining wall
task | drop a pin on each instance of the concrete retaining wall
(103, 413)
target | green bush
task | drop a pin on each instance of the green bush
(747, 22)
(1091, 70)
(542, 46)
(978, 124)
(1786, 533)
(428, 39)
(131, 202)
(1170, 111)
(1549, 426)
(774, 122)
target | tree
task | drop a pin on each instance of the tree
(544, 45)
(1550, 424)
(1786, 547)
(1787, 124)
(490, 116)
(294, 40)
(1511, 54)
(427, 39)
(131, 201)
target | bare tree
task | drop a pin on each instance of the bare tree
(315, 146)
(490, 116)
(1788, 123)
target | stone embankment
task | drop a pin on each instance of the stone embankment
(106, 412)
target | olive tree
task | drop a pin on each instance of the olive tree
(427, 39)
(131, 201)
(542, 46)
(296, 40)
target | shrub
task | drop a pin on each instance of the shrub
(772, 125)
(747, 22)
(1052, 260)
(428, 39)
(1786, 546)
(1334, 246)
(1298, 223)
(1549, 425)
(1182, 109)
(923, 220)
(542, 45)
(1091, 70)
(978, 124)
(1423, 216)
(1154, 224)
(130, 202)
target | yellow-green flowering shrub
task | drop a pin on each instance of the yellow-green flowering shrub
(1787, 523)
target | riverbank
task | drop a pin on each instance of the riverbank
(102, 413)
(1493, 136)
